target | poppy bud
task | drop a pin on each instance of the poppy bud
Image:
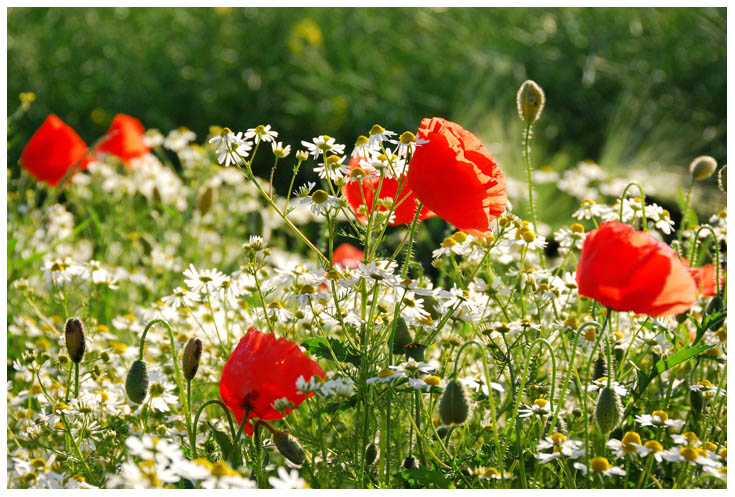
(289, 447)
(702, 167)
(75, 342)
(696, 400)
(414, 350)
(371, 454)
(609, 410)
(600, 368)
(454, 407)
(530, 100)
(409, 462)
(136, 384)
(190, 360)
(401, 336)
(722, 179)
(442, 431)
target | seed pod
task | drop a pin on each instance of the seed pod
(454, 407)
(414, 350)
(401, 336)
(600, 368)
(696, 400)
(371, 454)
(190, 360)
(75, 339)
(136, 384)
(530, 101)
(702, 167)
(289, 447)
(609, 410)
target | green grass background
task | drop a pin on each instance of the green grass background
(625, 87)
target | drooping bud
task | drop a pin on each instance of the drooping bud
(696, 400)
(702, 167)
(75, 339)
(600, 368)
(530, 100)
(401, 336)
(609, 410)
(190, 360)
(289, 447)
(454, 407)
(136, 384)
(371, 454)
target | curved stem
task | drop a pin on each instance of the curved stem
(643, 203)
(693, 252)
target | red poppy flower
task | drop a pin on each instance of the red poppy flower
(125, 138)
(348, 256)
(704, 278)
(52, 149)
(628, 270)
(456, 177)
(261, 370)
(406, 208)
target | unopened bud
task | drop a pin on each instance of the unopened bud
(205, 201)
(415, 351)
(609, 410)
(530, 100)
(696, 400)
(75, 339)
(371, 454)
(302, 155)
(190, 360)
(136, 384)
(454, 407)
(702, 167)
(401, 336)
(600, 368)
(289, 447)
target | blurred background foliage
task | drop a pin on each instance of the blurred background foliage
(628, 88)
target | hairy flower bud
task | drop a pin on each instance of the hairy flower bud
(600, 368)
(415, 351)
(722, 178)
(289, 447)
(75, 339)
(136, 384)
(401, 336)
(696, 400)
(702, 167)
(454, 407)
(190, 360)
(530, 101)
(609, 410)
(371, 454)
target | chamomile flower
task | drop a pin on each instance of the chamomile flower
(287, 479)
(202, 281)
(231, 148)
(378, 134)
(601, 383)
(60, 271)
(322, 145)
(590, 209)
(407, 143)
(630, 445)
(333, 168)
(279, 150)
(181, 297)
(600, 466)
(161, 391)
(386, 375)
(314, 385)
(540, 407)
(561, 446)
(691, 455)
(261, 133)
(659, 418)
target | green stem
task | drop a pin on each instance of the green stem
(643, 203)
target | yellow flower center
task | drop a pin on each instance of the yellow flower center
(449, 242)
(705, 383)
(385, 373)
(653, 445)
(432, 380)
(460, 236)
(319, 197)
(377, 129)
(630, 440)
(492, 473)
(577, 228)
(540, 403)
(407, 137)
(689, 453)
(690, 436)
(660, 414)
(590, 334)
(558, 438)
(710, 446)
(361, 140)
(599, 464)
